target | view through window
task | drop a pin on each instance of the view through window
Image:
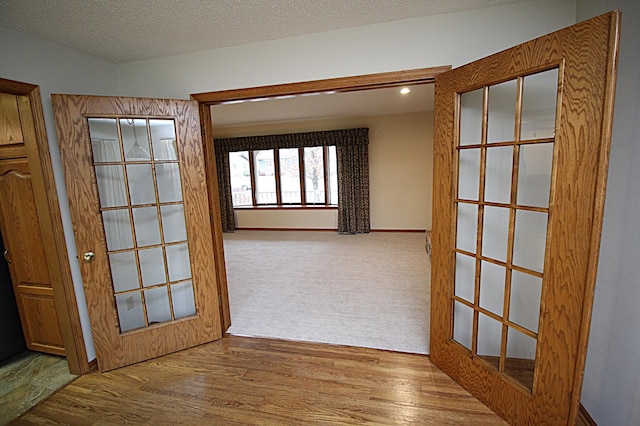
(284, 177)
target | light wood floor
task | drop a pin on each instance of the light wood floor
(245, 381)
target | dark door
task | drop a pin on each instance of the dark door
(11, 331)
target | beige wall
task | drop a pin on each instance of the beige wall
(400, 173)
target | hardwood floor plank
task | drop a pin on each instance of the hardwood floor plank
(251, 381)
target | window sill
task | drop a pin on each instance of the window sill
(289, 207)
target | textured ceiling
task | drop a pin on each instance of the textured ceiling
(323, 106)
(129, 30)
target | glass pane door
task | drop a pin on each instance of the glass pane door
(141, 202)
(504, 162)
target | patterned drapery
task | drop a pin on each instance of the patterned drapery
(353, 189)
(227, 215)
(353, 171)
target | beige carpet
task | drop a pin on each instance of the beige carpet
(367, 290)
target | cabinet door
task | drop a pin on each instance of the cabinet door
(26, 257)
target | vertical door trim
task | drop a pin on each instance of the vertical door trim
(214, 214)
(598, 217)
(39, 158)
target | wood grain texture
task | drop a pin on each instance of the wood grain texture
(20, 227)
(112, 348)
(10, 128)
(598, 211)
(64, 295)
(36, 150)
(342, 84)
(214, 206)
(249, 381)
(585, 55)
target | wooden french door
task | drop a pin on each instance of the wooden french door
(135, 176)
(521, 153)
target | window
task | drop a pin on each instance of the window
(240, 176)
(284, 177)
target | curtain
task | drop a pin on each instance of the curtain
(228, 218)
(353, 189)
(353, 171)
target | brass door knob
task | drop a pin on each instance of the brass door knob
(88, 256)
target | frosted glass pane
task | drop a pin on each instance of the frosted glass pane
(111, 186)
(117, 229)
(495, 237)
(521, 355)
(489, 339)
(124, 271)
(524, 307)
(534, 174)
(152, 266)
(467, 227)
(130, 313)
(157, 301)
(145, 220)
(184, 303)
(163, 138)
(105, 150)
(104, 139)
(168, 179)
(465, 277)
(135, 139)
(498, 174)
(173, 224)
(502, 112)
(178, 258)
(492, 280)
(471, 118)
(462, 324)
(141, 187)
(539, 105)
(469, 174)
(520, 345)
(530, 240)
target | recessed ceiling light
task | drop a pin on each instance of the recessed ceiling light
(405, 90)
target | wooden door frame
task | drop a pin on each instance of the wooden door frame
(48, 205)
(342, 84)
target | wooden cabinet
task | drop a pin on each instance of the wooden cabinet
(21, 228)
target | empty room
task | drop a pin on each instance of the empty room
(230, 212)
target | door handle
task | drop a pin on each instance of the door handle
(6, 255)
(88, 256)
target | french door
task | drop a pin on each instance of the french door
(135, 176)
(521, 153)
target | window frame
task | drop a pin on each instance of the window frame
(303, 194)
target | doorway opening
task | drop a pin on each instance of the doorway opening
(371, 101)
